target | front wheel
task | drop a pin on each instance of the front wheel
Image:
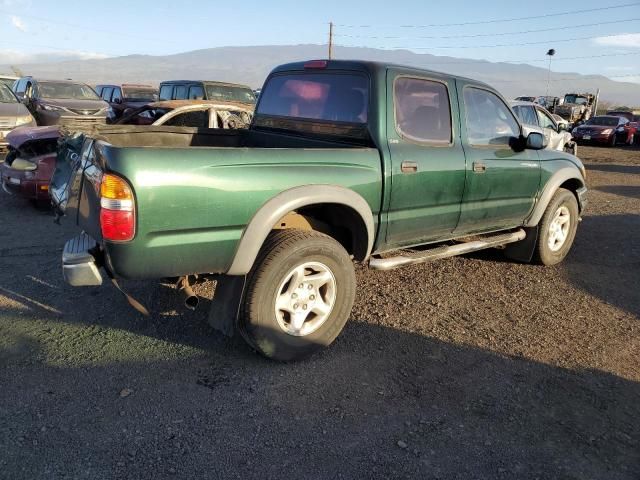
(299, 295)
(557, 228)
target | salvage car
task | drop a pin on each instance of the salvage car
(28, 167)
(605, 130)
(344, 161)
(61, 102)
(191, 113)
(555, 134)
(126, 97)
(12, 114)
(206, 90)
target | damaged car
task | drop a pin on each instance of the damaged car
(12, 114)
(556, 135)
(30, 163)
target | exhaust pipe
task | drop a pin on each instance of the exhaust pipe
(188, 296)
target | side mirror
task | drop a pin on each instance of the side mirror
(535, 141)
(561, 127)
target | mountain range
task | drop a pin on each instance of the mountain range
(250, 65)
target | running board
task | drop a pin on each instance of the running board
(446, 251)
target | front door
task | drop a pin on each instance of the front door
(501, 183)
(428, 164)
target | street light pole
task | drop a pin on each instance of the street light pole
(551, 53)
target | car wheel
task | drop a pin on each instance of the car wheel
(299, 295)
(557, 228)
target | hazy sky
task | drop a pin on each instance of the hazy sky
(610, 35)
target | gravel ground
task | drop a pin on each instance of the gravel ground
(473, 367)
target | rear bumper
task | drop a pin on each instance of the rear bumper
(80, 268)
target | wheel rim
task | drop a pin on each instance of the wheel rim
(305, 298)
(559, 228)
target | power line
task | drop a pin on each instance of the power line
(384, 37)
(453, 47)
(502, 20)
(581, 78)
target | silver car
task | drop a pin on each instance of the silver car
(12, 114)
(539, 119)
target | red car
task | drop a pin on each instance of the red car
(605, 129)
(29, 165)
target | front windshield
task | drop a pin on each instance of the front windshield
(140, 94)
(76, 91)
(230, 93)
(8, 81)
(575, 99)
(604, 121)
(6, 95)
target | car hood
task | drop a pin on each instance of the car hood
(20, 135)
(13, 110)
(76, 104)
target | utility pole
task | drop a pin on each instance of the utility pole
(551, 53)
(330, 40)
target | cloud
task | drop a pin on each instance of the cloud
(630, 40)
(18, 57)
(18, 23)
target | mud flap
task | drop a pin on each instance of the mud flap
(522, 251)
(225, 306)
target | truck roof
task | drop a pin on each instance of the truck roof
(370, 67)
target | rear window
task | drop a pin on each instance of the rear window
(317, 96)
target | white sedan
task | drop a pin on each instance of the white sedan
(556, 135)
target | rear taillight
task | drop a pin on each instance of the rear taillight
(316, 64)
(117, 213)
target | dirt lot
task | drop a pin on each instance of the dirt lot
(472, 367)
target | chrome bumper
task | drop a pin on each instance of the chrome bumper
(79, 267)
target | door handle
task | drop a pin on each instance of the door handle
(409, 167)
(479, 167)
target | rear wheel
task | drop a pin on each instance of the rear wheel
(299, 295)
(557, 228)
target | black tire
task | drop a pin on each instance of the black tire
(614, 141)
(282, 252)
(543, 253)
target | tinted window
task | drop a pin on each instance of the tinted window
(165, 92)
(77, 91)
(180, 92)
(422, 110)
(317, 96)
(20, 85)
(489, 121)
(196, 92)
(98, 89)
(526, 114)
(603, 121)
(106, 93)
(134, 94)
(545, 120)
(190, 119)
(116, 94)
(230, 93)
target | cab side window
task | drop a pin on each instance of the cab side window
(526, 114)
(199, 118)
(106, 94)
(180, 93)
(117, 94)
(545, 120)
(489, 121)
(165, 92)
(20, 86)
(422, 110)
(196, 92)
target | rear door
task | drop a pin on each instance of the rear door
(427, 160)
(501, 183)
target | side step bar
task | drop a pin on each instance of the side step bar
(446, 251)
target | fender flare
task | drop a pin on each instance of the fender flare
(277, 207)
(557, 179)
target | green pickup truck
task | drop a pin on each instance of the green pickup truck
(344, 161)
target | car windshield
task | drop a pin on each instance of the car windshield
(604, 121)
(229, 93)
(317, 96)
(575, 99)
(8, 81)
(76, 91)
(140, 94)
(6, 95)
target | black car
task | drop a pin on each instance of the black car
(126, 97)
